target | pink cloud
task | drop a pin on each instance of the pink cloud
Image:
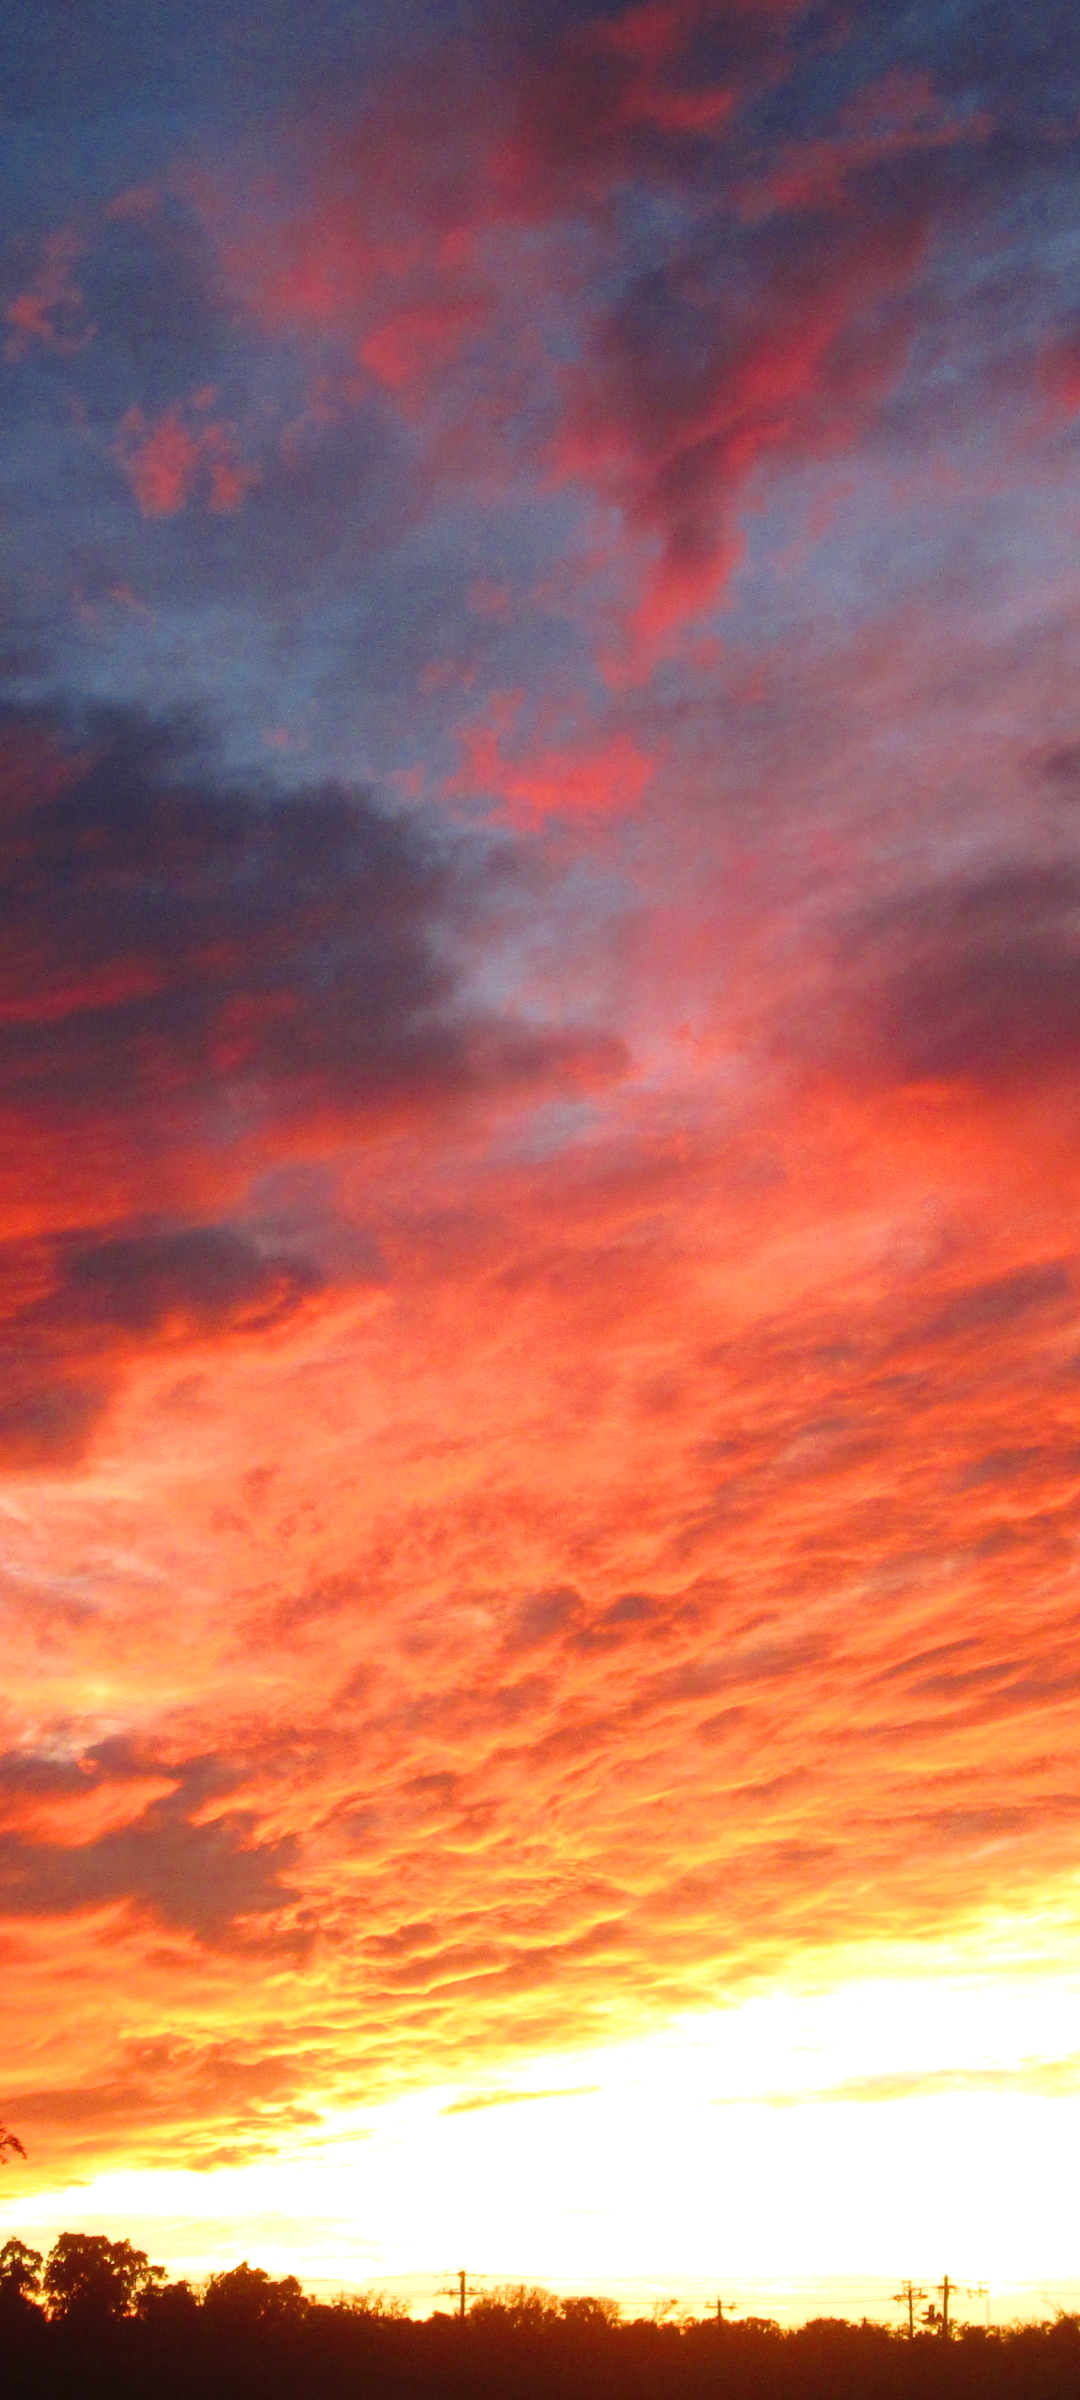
(50, 311)
(182, 455)
(672, 430)
(532, 781)
(444, 246)
(415, 345)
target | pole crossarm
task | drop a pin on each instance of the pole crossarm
(460, 2289)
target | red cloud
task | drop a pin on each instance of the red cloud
(586, 105)
(444, 244)
(1059, 374)
(170, 459)
(197, 982)
(688, 390)
(50, 310)
(412, 347)
(531, 782)
(636, 94)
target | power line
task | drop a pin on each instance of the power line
(460, 2290)
(947, 2291)
(907, 2297)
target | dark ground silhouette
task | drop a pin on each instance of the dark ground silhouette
(98, 2319)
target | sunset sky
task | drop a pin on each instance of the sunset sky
(540, 1073)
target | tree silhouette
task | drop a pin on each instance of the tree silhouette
(99, 2322)
(20, 2270)
(245, 2296)
(585, 2309)
(87, 2277)
(517, 2305)
(9, 2142)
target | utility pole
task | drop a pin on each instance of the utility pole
(906, 2297)
(947, 2291)
(460, 2290)
(940, 2316)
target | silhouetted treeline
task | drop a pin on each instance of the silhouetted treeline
(97, 2318)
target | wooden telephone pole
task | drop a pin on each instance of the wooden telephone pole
(460, 2290)
(907, 2297)
(947, 2291)
(939, 2317)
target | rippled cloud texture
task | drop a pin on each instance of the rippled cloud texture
(539, 1032)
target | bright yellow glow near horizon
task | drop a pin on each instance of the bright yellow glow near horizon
(889, 2126)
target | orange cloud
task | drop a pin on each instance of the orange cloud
(637, 1578)
(195, 970)
(539, 1408)
(672, 1600)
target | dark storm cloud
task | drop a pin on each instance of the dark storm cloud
(978, 981)
(96, 1301)
(191, 972)
(171, 940)
(201, 1877)
(204, 1276)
